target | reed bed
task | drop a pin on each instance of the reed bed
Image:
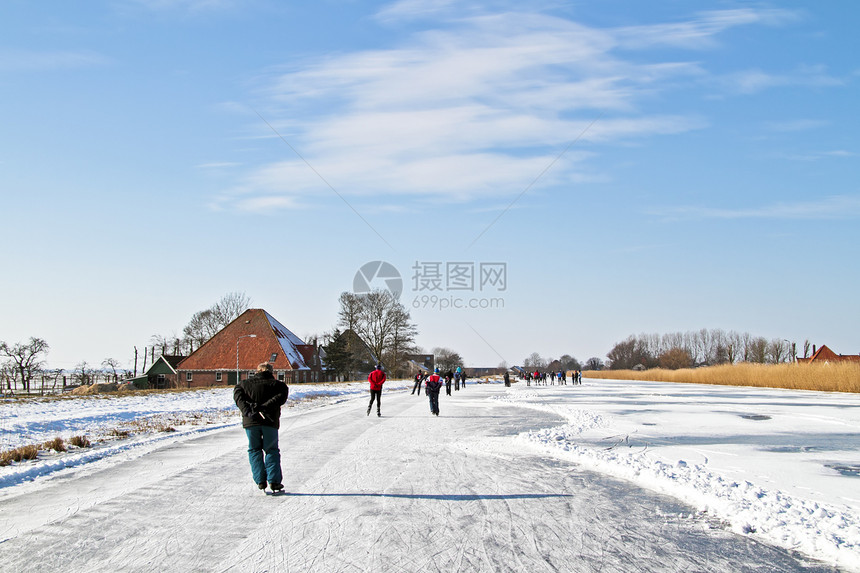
(830, 377)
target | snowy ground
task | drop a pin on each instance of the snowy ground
(521, 479)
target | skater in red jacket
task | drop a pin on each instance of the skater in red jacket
(434, 384)
(376, 379)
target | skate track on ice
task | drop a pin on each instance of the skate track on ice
(405, 492)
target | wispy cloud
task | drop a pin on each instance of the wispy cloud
(793, 125)
(474, 107)
(37, 61)
(702, 31)
(818, 155)
(186, 5)
(833, 207)
(754, 81)
(218, 165)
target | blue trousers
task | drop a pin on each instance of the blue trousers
(264, 439)
(434, 401)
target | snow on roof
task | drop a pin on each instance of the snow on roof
(289, 342)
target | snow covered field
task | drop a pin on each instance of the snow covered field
(771, 465)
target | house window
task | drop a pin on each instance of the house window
(160, 379)
(217, 377)
(281, 376)
(188, 376)
(273, 357)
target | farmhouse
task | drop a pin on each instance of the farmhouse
(254, 337)
(824, 355)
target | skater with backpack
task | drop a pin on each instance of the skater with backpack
(434, 385)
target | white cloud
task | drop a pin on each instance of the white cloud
(478, 106)
(833, 207)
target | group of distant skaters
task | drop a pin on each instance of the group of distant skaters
(541, 378)
(432, 382)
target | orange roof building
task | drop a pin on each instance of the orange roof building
(824, 355)
(254, 337)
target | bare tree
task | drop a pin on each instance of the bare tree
(230, 307)
(27, 357)
(778, 351)
(111, 364)
(381, 322)
(206, 323)
(446, 359)
(676, 358)
(402, 341)
(757, 350)
(350, 310)
(202, 326)
(9, 375)
(83, 374)
(534, 360)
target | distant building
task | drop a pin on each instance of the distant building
(253, 338)
(162, 374)
(824, 355)
(482, 372)
(422, 362)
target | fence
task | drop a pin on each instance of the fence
(44, 384)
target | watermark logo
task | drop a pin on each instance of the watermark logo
(442, 285)
(377, 275)
(439, 285)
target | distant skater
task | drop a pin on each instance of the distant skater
(376, 379)
(434, 385)
(260, 398)
(507, 378)
(418, 379)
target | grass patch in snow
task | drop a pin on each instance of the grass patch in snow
(19, 454)
(80, 441)
(57, 444)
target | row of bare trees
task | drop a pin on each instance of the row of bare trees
(25, 362)
(698, 348)
(25, 368)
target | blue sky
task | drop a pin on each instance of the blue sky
(637, 167)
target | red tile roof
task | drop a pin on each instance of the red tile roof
(259, 336)
(824, 354)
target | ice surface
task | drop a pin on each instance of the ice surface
(767, 465)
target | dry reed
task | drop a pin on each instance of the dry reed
(19, 454)
(56, 444)
(79, 441)
(829, 377)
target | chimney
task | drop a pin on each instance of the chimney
(813, 349)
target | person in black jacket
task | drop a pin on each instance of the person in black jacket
(260, 398)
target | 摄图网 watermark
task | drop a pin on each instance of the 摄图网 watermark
(439, 285)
